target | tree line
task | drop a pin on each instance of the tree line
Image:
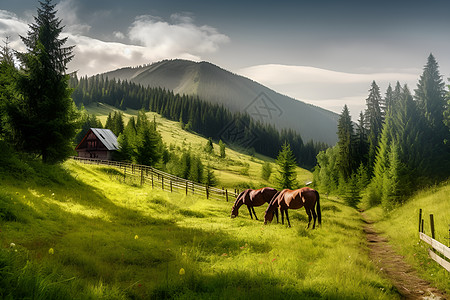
(400, 143)
(194, 114)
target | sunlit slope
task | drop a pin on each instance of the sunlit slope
(240, 94)
(402, 225)
(237, 170)
(81, 232)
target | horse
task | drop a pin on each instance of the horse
(253, 198)
(295, 199)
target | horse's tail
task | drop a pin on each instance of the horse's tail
(319, 213)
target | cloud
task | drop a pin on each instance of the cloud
(180, 37)
(326, 88)
(93, 56)
(154, 39)
(285, 74)
(67, 11)
(12, 26)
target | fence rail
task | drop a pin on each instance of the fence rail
(436, 246)
(155, 178)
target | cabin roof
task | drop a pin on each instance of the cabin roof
(106, 136)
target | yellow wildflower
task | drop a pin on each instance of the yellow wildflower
(136, 237)
(182, 272)
(51, 251)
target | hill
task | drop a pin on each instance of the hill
(237, 170)
(79, 232)
(238, 93)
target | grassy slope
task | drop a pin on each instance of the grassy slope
(231, 171)
(401, 227)
(114, 240)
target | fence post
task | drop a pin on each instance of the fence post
(142, 176)
(226, 194)
(423, 231)
(124, 173)
(432, 225)
(152, 180)
(171, 186)
(420, 218)
(162, 182)
(207, 192)
(186, 188)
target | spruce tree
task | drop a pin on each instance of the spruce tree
(287, 175)
(222, 149)
(345, 142)
(45, 119)
(430, 96)
(374, 120)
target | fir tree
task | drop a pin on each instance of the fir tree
(345, 143)
(266, 170)
(374, 120)
(287, 175)
(222, 149)
(45, 120)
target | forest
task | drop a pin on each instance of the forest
(401, 143)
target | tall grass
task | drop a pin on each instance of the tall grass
(402, 226)
(112, 240)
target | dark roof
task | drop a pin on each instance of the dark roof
(107, 137)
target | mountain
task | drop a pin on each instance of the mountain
(239, 94)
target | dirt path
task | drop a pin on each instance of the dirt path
(402, 275)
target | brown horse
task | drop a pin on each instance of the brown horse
(253, 198)
(295, 199)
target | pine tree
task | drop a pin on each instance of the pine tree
(287, 175)
(345, 143)
(266, 170)
(374, 120)
(222, 149)
(430, 96)
(45, 119)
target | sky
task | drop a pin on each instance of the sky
(323, 52)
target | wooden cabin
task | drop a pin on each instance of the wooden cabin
(98, 143)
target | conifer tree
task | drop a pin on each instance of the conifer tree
(266, 170)
(345, 158)
(287, 175)
(374, 120)
(222, 149)
(45, 120)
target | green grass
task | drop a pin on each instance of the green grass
(112, 240)
(237, 170)
(401, 226)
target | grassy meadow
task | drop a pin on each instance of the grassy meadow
(74, 231)
(401, 226)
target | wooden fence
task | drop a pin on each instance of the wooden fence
(438, 252)
(145, 175)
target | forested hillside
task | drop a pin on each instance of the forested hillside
(236, 93)
(210, 120)
(400, 144)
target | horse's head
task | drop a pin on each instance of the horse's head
(237, 204)
(268, 216)
(273, 205)
(234, 211)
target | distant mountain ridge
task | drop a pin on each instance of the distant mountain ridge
(237, 93)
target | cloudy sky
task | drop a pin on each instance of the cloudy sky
(324, 52)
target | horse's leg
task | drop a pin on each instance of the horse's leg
(276, 213)
(314, 216)
(250, 211)
(282, 216)
(308, 211)
(287, 217)
(253, 209)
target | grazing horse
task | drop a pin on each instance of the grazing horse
(253, 198)
(295, 199)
